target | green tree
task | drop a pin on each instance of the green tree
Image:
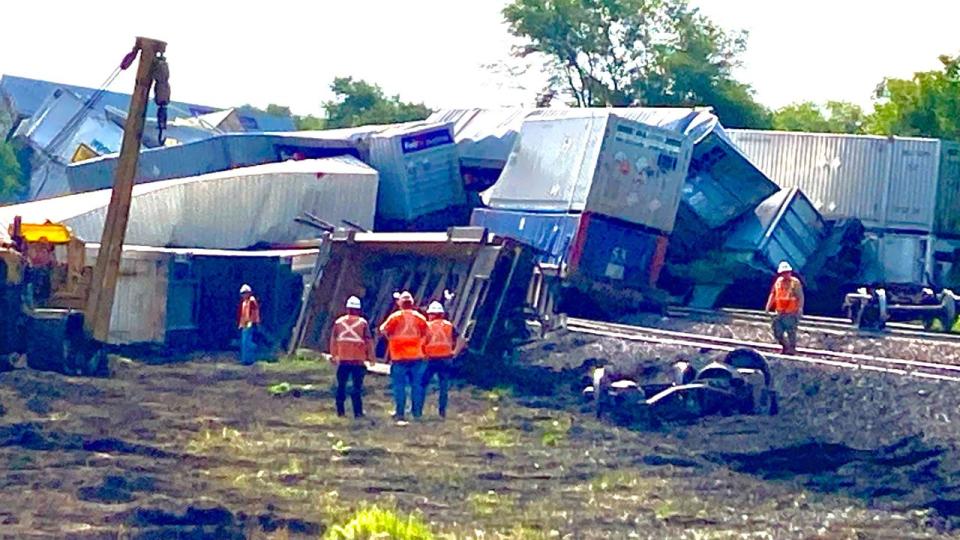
(357, 103)
(13, 179)
(927, 105)
(309, 122)
(834, 117)
(635, 53)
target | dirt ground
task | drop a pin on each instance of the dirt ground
(202, 449)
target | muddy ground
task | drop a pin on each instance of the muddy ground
(201, 449)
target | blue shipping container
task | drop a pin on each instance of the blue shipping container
(592, 247)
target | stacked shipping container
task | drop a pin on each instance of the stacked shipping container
(904, 190)
(597, 192)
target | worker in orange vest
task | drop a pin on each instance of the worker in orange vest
(351, 348)
(248, 316)
(786, 302)
(406, 330)
(441, 347)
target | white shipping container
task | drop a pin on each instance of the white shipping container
(597, 162)
(887, 183)
(232, 209)
(898, 258)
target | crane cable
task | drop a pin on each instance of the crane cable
(89, 103)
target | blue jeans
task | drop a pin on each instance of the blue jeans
(443, 369)
(403, 374)
(246, 346)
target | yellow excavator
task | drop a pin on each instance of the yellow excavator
(63, 307)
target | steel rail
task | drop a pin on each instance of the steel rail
(897, 366)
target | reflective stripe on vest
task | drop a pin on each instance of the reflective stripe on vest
(439, 339)
(348, 339)
(405, 340)
(350, 331)
(785, 298)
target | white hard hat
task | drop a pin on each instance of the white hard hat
(784, 267)
(353, 303)
(405, 296)
(245, 289)
(435, 308)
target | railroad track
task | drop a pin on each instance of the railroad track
(813, 323)
(897, 366)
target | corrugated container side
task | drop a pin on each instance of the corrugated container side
(419, 172)
(613, 251)
(597, 163)
(785, 227)
(139, 313)
(912, 197)
(897, 258)
(843, 176)
(721, 184)
(948, 191)
(551, 167)
(639, 174)
(551, 233)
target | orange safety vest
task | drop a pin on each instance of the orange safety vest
(785, 298)
(349, 344)
(249, 312)
(406, 330)
(440, 339)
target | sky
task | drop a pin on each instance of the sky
(225, 53)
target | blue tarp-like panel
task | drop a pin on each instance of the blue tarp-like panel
(551, 233)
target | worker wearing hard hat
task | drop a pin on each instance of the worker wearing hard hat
(786, 302)
(248, 316)
(406, 330)
(441, 346)
(351, 347)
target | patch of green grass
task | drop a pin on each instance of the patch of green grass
(490, 503)
(376, 523)
(555, 431)
(284, 388)
(499, 393)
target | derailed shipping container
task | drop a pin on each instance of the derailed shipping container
(488, 276)
(889, 183)
(419, 171)
(233, 209)
(589, 248)
(598, 163)
(189, 297)
(784, 227)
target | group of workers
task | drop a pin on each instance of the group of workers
(421, 347)
(418, 348)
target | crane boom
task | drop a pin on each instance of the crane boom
(107, 269)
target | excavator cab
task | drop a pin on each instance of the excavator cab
(47, 284)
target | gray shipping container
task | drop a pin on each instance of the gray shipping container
(886, 182)
(947, 223)
(419, 170)
(598, 162)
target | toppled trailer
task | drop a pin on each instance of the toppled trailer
(482, 279)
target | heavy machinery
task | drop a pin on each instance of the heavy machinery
(63, 311)
(872, 308)
(739, 384)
